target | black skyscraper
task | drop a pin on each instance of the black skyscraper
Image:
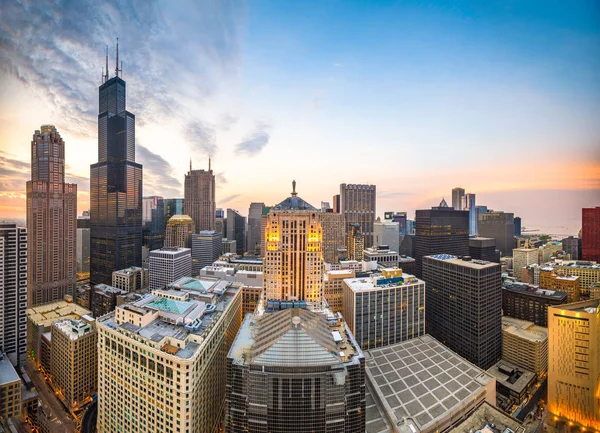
(440, 230)
(115, 187)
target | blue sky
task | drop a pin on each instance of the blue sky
(501, 98)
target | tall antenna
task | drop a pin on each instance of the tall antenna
(117, 70)
(209, 163)
(106, 70)
(190, 165)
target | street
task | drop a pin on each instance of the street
(59, 420)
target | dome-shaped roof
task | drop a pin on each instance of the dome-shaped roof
(180, 219)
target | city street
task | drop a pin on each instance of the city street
(59, 419)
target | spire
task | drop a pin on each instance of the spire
(209, 163)
(294, 193)
(106, 70)
(190, 165)
(117, 70)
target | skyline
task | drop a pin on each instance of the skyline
(266, 80)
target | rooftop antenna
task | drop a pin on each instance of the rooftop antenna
(209, 163)
(117, 70)
(106, 70)
(190, 165)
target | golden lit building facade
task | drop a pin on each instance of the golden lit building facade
(574, 363)
(568, 284)
(293, 263)
(179, 232)
(588, 272)
(162, 359)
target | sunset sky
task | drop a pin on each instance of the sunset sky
(501, 98)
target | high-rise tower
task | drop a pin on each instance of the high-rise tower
(458, 197)
(199, 198)
(51, 221)
(115, 186)
(357, 203)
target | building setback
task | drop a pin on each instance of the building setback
(115, 187)
(464, 299)
(384, 308)
(295, 370)
(358, 204)
(51, 221)
(13, 290)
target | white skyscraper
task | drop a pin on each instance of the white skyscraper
(167, 265)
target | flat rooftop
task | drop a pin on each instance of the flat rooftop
(8, 374)
(470, 263)
(378, 282)
(531, 290)
(487, 415)
(590, 306)
(422, 379)
(47, 314)
(508, 380)
(524, 329)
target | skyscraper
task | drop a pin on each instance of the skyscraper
(458, 197)
(334, 235)
(167, 265)
(517, 225)
(115, 186)
(472, 208)
(179, 232)
(173, 206)
(83, 243)
(236, 230)
(590, 234)
(500, 226)
(355, 243)
(13, 291)
(572, 246)
(200, 197)
(207, 246)
(254, 214)
(464, 306)
(440, 230)
(358, 204)
(51, 221)
(293, 264)
(574, 363)
(153, 220)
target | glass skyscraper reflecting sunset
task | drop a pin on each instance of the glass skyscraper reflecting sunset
(115, 188)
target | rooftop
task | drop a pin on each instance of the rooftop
(487, 415)
(514, 378)
(531, 290)
(524, 329)
(128, 271)
(388, 278)
(179, 219)
(74, 328)
(591, 306)
(465, 261)
(422, 379)
(8, 374)
(170, 250)
(293, 202)
(45, 315)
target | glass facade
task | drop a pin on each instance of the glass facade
(115, 189)
(153, 217)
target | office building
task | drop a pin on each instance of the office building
(229, 247)
(10, 390)
(385, 308)
(567, 284)
(499, 226)
(407, 246)
(293, 265)
(115, 187)
(512, 384)
(472, 208)
(594, 292)
(13, 288)
(572, 246)
(336, 204)
(464, 306)
(263, 229)
(407, 264)
(588, 272)
(334, 235)
(173, 206)
(383, 256)
(386, 233)
(74, 361)
(525, 345)
(574, 363)
(421, 386)
(103, 299)
(207, 246)
(231, 260)
(153, 222)
(333, 287)
(171, 347)
(481, 248)
(131, 279)
(83, 244)
(486, 415)
(528, 302)
(523, 257)
(439, 230)
(295, 369)
(179, 232)
(254, 214)
(167, 265)
(355, 243)
(251, 281)
(40, 320)
(221, 222)
(590, 234)
(199, 197)
(517, 226)
(358, 204)
(549, 250)
(236, 230)
(51, 221)
(458, 198)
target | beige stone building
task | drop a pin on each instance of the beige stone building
(293, 264)
(523, 257)
(525, 345)
(199, 198)
(334, 235)
(10, 389)
(74, 360)
(574, 363)
(333, 287)
(563, 283)
(162, 359)
(130, 279)
(588, 272)
(179, 232)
